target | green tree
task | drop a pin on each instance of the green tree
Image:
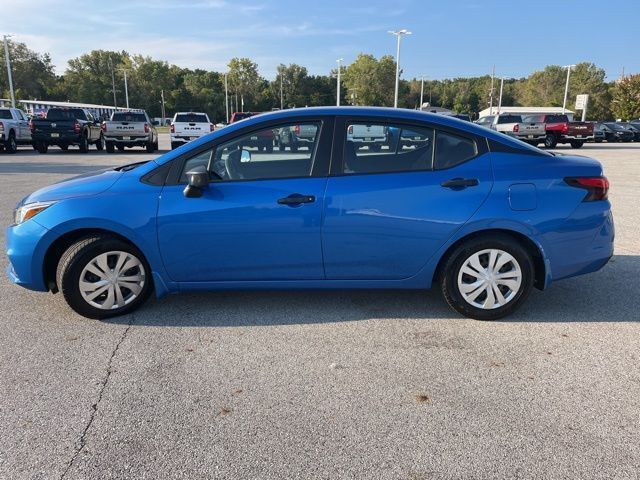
(32, 73)
(545, 88)
(588, 79)
(626, 98)
(370, 81)
(293, 78)
(245, 82)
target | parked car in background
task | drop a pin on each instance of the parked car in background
(263, 140)
(64, 127)
(187, 126)
(372, 137)
(528, 130)
(484, 228)
(560, 130)
(614, 132)
(633, 128)
(598, 134)
(486, 121)
(130, 129)
(14, 129)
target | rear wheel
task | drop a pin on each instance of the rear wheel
(101, 276)
(109, 146)
(64, 147)
(576, 143)
(84, 144)
(42, 147)
(120, 148)
(550, 141)
(174, 145)
(487, 278)
(11, 146)
(149, 147)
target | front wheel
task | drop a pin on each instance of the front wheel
(487, 278)
(101, 276)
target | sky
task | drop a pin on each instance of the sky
(450, 38)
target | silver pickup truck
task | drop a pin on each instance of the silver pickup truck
(130, 129)
(14, 129)
(514, 125)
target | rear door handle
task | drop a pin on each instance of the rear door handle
(295, 199)
(460, 183)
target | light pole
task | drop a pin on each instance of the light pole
(421, 92)
(398, 34)
(226, 97)
(566, 87)
(500, 100)
(126, 89)
(163, 110)
(339, 61)
(8, 60)
(281, 92)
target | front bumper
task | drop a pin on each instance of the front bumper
(26, 254)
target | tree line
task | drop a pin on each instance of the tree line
(368, 80)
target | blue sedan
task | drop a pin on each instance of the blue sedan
(436, 201)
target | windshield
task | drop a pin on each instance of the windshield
(66, 114)
(192, 118)
(615, 126)
(128, 117)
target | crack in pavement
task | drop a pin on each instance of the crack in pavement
(94, 407)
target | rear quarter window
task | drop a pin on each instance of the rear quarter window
(452, 150)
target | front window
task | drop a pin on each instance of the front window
(286, 151)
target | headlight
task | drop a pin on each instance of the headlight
(25, 212)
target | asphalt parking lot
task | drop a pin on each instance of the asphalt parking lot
(387, 384)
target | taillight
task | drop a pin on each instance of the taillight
(597, 187)
(565, 128)
(516, 128)
(146, 128)
(1, 127)
(76, 127)
(350, 130)
(173, 128)
(32, 127)
(211, 127)
(103, 127)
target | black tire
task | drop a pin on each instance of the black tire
(270, 148)
(455, 261)
(155, 145)
(281, 147)
(120, 148)
(109, 147)
(100, 143)
(78, 256)
(149, 147)
(576, 143)
(293, 147)
(599, 140)
(11, 146)
(550, 141)
(64, 148)
(84, 144)
(375, 147)
(174, 145)
(42, 147)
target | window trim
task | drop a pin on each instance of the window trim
(340, 139)
(322, 152)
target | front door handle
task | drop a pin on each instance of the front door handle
(460, 183)
(295, 199)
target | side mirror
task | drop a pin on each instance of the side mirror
(245, 156)
(198, 179)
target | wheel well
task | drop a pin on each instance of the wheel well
(533, 250)
(61, 244)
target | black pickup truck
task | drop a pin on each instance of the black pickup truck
(64, 127)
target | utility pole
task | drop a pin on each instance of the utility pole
(398, 34)
(500, 101)
(126, 89)
(421, 92)
(113, 84)
(226, 97)
(566, 88)
(281, 93)
(163, 111)
(8, 60)
(338, 81)
(493, 75)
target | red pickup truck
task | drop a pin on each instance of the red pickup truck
(560, 130)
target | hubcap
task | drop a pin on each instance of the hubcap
(112, 280)
(489, 279)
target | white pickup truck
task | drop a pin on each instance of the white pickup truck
(14, 129)
(187, 126)
(130, 129)
(372, 136)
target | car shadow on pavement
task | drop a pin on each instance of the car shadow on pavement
(54, 168)
(610, 295)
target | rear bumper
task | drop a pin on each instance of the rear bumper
(584, 244)
(25, 254)
(63, 139)
(585, 137)
(184, 138)
(119, 140)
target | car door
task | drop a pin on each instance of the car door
(259, 218)
(387, 212)
(23, 132)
